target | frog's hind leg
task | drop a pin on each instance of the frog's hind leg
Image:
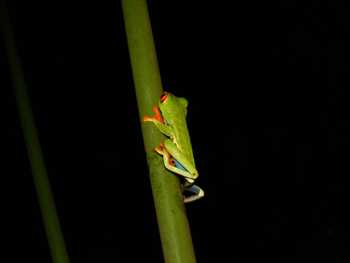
(169, 162)
(177, 168)
(186, 167)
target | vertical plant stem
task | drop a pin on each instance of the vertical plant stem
(172, 221)
(42, 185)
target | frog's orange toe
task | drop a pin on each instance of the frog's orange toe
(157, 114)
(147, 118)
(162, 151)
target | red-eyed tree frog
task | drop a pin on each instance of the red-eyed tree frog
(170, 118)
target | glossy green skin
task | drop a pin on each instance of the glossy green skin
(178, 146)
(174, 111)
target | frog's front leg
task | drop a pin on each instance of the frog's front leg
(158, 120)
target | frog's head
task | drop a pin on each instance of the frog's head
(171, 106)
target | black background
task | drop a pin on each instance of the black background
(268, 91)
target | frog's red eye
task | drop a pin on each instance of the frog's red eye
(163, 97)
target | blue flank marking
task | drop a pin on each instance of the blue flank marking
(179, 165)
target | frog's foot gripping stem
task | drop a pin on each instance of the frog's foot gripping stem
(157, 116)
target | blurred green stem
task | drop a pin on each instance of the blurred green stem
(42, 185)
(172, 221)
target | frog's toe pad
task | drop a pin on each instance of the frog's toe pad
(160, 149)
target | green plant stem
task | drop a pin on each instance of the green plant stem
(172, 221)
(42, 185)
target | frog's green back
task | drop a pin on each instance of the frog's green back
(174, 111)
